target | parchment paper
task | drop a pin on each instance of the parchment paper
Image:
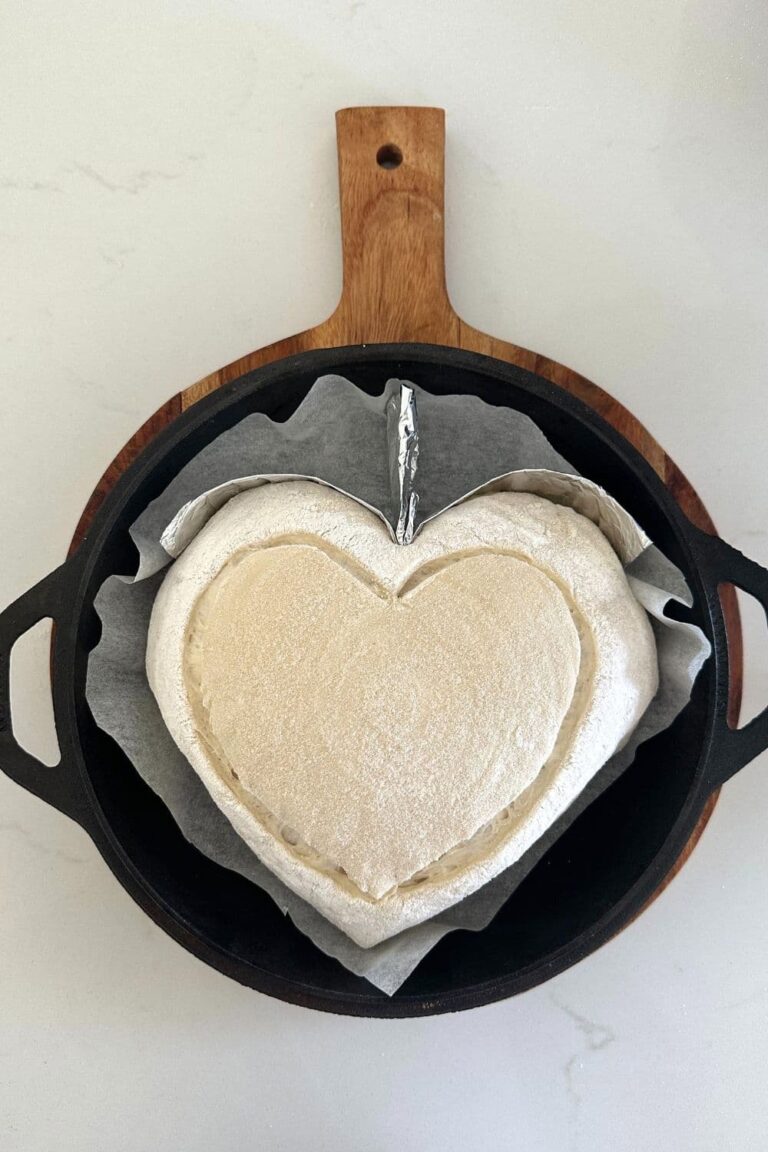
(339, 435)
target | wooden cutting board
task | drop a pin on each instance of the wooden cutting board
(391, 178)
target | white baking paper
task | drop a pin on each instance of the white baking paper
(339, 436)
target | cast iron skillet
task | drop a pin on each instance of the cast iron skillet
(602, 871)
(597, 876)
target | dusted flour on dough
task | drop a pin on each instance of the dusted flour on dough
(385, 725)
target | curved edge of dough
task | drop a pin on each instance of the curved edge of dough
(625, 654)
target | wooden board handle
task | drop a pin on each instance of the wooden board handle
(391, 180)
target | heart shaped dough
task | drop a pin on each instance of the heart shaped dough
(389, 727)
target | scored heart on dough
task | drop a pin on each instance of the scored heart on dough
(388, 726)
(359, 717)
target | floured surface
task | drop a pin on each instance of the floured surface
(562, 562)
(430, 709)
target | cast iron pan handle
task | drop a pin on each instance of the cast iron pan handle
(59, 785)
(721, 563)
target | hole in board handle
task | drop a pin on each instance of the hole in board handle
(389, 156)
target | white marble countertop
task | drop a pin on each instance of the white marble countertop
(169, 201)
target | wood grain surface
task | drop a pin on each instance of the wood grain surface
(391, 179)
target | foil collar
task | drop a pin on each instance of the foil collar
(403, 444)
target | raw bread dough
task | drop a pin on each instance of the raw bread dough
(389, 727)
(383, 727)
